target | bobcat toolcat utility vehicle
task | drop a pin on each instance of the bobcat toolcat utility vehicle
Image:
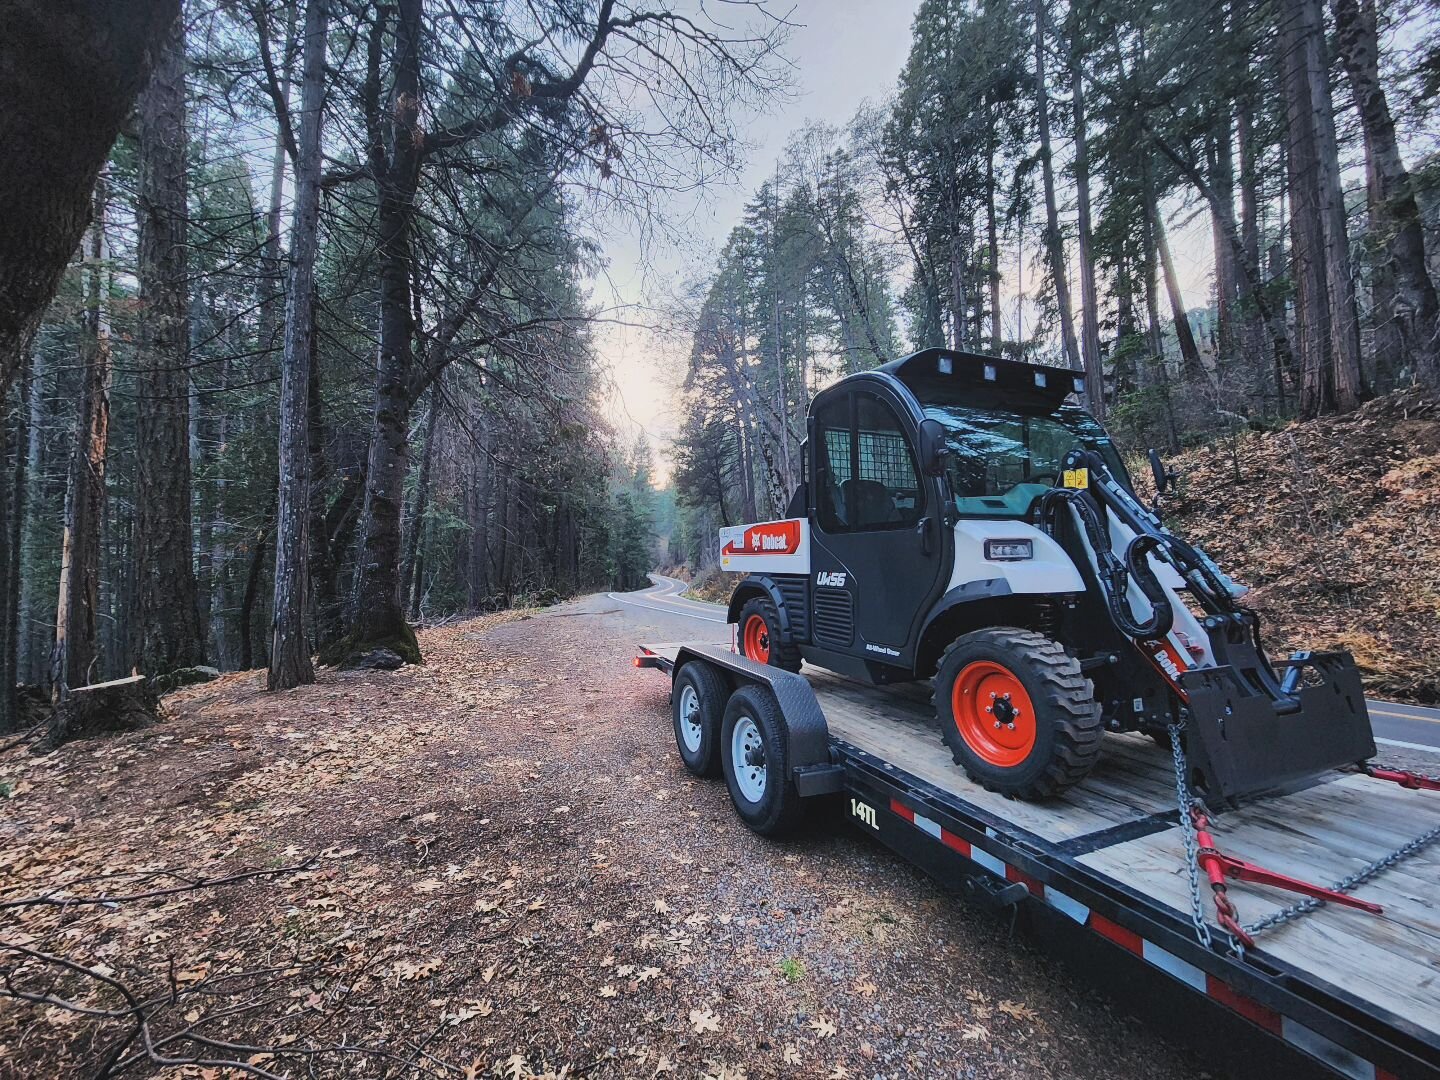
(963, 519)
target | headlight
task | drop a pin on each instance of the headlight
(1009, 550)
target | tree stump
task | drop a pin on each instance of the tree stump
(120, 705)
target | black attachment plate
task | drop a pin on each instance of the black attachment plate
(1239, 744)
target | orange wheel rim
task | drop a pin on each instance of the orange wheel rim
(756, 638)
(993, 713)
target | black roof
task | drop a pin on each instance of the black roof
(924, 369)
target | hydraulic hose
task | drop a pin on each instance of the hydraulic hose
(1112, 573)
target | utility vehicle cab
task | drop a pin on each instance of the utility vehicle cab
(963, 517)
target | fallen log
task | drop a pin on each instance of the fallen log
(119, 705)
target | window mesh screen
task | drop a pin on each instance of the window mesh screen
(885, 457)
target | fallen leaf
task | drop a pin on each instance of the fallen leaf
(703, 1020)
(1018, 1011)
(822, 1027)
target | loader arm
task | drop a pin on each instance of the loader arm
(1248, 728)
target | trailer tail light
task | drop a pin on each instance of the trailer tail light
(1009, 550)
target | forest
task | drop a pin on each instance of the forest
(301, 352)
(1035, 187)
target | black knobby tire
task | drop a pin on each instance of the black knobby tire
(1068, 725)
(699, 686)
(782, 653)
(778, 809)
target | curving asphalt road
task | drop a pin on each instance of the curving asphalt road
(1406, 727)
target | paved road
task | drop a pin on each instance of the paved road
(1407, 727)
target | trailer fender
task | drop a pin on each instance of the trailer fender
(761, 585)
(807, 736)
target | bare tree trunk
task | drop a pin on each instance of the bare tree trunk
(33, 652)
(272, 302)
(167, 627)
(1153, 334)
(76, 649)
(409, 582)
(1227, 289)
(69, 73)
(379, 619)
(289, 645)
(1348, 378)
(1253, 320)
(12, 513)
(1300, 46)
(1190, 364)
(1089, 298)
(259, 547)
(1054, 244)
(992, 234)
(1411, 305)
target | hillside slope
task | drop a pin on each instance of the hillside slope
(1335, 524)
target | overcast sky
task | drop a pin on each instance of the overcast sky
(844, 52)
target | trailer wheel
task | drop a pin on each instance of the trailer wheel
(760, 637)
(754, 755)
(697, 703)
(1017, 712)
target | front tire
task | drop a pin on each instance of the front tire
(1017, 712)
(760, 636)
(755, 757)
(697, 702)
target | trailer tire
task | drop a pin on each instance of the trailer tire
(697, 704)
(754, 755)
(1048, 735)
(760, 636)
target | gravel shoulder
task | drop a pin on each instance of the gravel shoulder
(503, 870)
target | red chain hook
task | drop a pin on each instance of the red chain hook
(1412, 780)
(1219, 866)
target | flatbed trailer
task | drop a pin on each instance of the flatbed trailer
(1100, 875)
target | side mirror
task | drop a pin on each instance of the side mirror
(1164, 478)
(933, 447)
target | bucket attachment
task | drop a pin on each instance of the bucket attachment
(1248, 733)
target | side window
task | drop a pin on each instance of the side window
(884, 491)
(832, 464)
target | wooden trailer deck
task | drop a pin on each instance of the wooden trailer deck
(1320, 834)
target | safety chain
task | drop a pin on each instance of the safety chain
(1406, 779)
(1192, 814)
(1345, 885)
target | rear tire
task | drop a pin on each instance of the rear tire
(697, 705)
(755, 757)
(1017, 712)
(760, 636)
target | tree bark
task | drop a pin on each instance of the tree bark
(1054, 244)
(1089, 298)
(992, 235)
(410, 584)
(10, 537)
(1348, 377)
(1190, 364)
(290, 664)
(379, 619)
(69, 72)
(76, 648)
(1412, 307)
(167, 627)
(1300, 48)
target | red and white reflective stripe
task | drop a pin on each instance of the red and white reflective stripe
(1296, 1034)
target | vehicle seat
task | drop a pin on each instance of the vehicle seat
(871, 502)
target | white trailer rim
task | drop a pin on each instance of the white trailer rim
(690, 718)
(745, 740)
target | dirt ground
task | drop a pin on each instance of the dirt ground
(492, 865)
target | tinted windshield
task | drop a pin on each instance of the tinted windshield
(1003, 460)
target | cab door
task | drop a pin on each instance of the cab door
(876, 536)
